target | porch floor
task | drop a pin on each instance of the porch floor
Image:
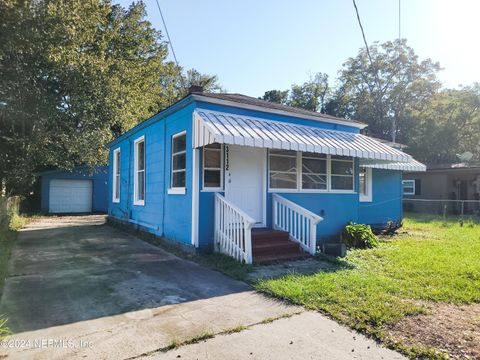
(274, 245)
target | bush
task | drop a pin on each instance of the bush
(359, 236)
(16, 222)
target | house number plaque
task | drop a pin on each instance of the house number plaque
(227, 159)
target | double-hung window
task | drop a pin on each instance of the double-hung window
(116, 176)
(304, 171)
(139, 167)
(365, 184)
(212, 167)
(341, 173)
(408, 187)
(283, 169)
(178, 164)
(314, 171)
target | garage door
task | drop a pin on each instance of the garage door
(70, 196)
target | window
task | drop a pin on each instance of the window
(365, 184)
(408, 187)
(314, 171)
(116, 175)
(341, 173)
(139, 179)
(179, 159)
(297, 171)
(212, 166)
(283, 169)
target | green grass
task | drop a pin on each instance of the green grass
(8, 235)
(430, 260)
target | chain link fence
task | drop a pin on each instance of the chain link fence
(460, 209)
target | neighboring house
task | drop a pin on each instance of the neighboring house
(82, 190)
(211, 167)
(459, 181)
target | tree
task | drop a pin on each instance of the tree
(276, 96)
(311, 95)
(74, 75)
(404, 85)
(449, 124)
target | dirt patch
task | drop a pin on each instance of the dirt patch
(452, 329)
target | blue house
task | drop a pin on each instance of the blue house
(82, 190)
(256, 180)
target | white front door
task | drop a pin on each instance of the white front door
(245, 180)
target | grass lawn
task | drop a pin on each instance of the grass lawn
(429, 262)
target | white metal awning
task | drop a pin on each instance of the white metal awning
(412, 165)
(226, 128)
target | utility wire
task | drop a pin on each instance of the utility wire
(166, 31)
(377, 80)
(171, 44)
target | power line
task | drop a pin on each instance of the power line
(168, 35)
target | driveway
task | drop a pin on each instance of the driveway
(81, 289)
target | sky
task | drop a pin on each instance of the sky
(258, 45)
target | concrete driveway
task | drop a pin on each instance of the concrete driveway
(78, 288)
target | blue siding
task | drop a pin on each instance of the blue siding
(274, 117)
(98, 176)
(171, 215)
(162, 214)
(386, 202)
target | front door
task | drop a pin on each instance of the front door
(245, 180)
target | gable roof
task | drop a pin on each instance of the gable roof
(240, 100)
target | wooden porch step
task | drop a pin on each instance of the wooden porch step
(274, 245)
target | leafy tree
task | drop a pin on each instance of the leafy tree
(74, 75)
(276, 96)
(404, 85)
(449, 124)
(311, 95)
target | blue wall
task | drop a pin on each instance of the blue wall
(98, 175)
(170, 215)
(386, 202)
(163, 214)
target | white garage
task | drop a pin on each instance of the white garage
(70, 196)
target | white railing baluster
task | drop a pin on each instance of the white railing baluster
(299, 222)
(233, 230)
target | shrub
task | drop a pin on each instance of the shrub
(359, 236)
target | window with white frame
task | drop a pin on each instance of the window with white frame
(213, 167)
(179, 159)
(291, 170)
(314, 171)
(139, 167)
(116, 175)
(365, 184)
(408, 187)
(283, 169)
(341, 173)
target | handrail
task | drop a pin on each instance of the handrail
(299, 222)
(233, 230)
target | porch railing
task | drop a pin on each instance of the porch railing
(300, 223)
(233, 230)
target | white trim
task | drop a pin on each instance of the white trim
(213, 189)
(412, 186)
(368, 185)
(116, 199)
(195, 200)
(137, 201)
(277, 111)
(177, 190)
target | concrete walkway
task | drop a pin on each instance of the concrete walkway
(78, 288)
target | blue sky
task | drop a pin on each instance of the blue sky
(258, 45)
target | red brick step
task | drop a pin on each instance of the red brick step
(274, 245)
